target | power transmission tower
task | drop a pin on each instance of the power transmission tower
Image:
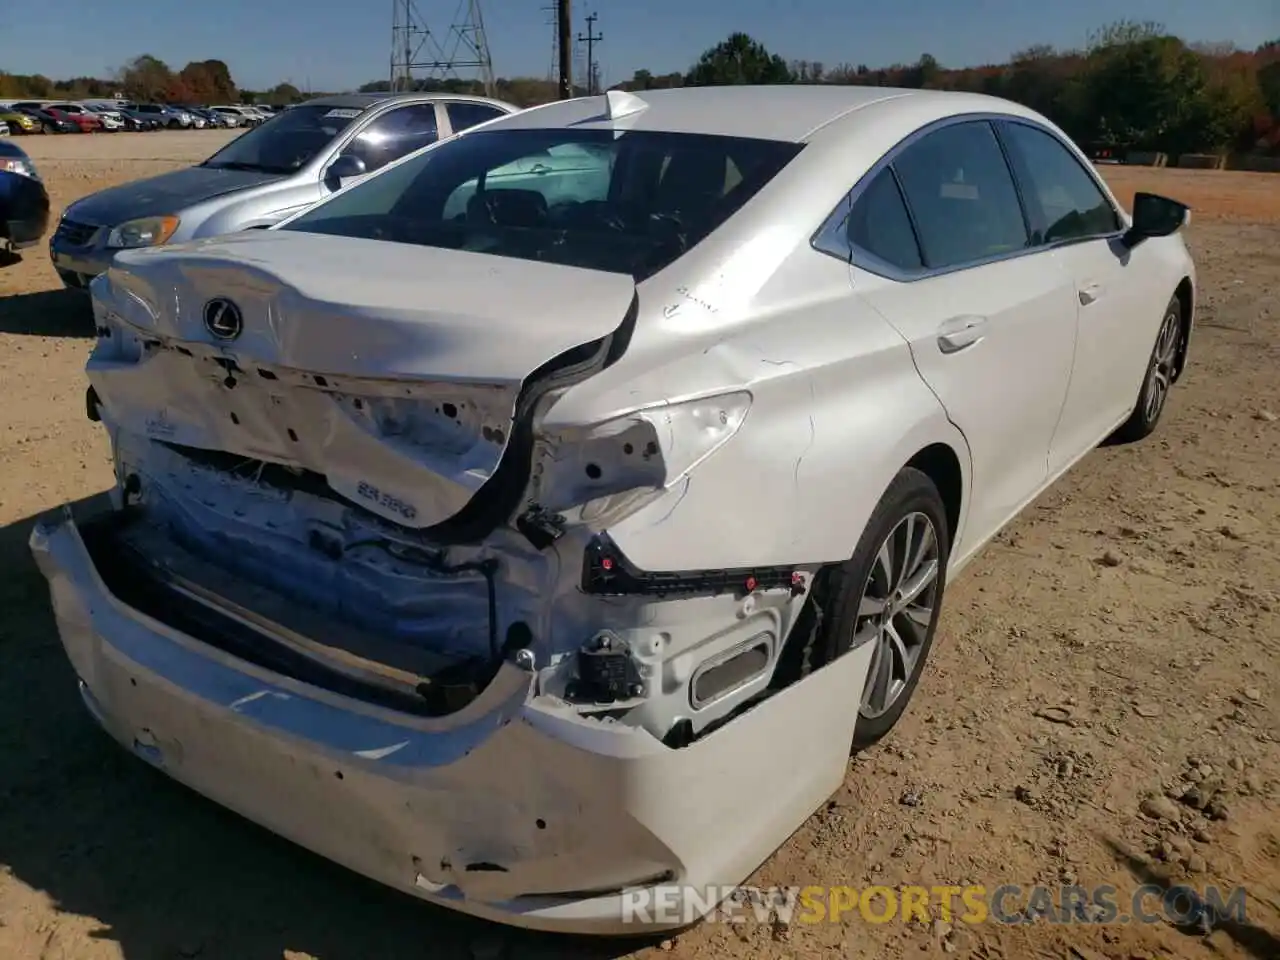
(418, 53)
(591, 38)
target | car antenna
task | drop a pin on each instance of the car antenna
(620, 103)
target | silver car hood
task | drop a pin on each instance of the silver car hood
(398, 373)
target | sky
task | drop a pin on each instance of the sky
(339, 44)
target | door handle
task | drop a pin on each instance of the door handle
(960, 332)
(1089, 293)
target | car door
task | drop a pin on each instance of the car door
(941, 249)
(1072, 215)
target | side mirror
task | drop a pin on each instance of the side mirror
(344, 168)
(1155, 216)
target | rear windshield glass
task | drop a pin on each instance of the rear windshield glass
(286, 143)
(620, 202)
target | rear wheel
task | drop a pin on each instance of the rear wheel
(1158, 379)
(889, 595)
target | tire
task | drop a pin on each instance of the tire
(1158, 379)
(836, 612)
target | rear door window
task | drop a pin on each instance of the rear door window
(962, 196)
(465, 115)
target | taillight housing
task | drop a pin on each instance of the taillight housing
(599, 473)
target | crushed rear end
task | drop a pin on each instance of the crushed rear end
(348, 590)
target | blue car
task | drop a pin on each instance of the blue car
(24, 202)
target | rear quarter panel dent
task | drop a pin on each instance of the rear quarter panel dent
(826, 434)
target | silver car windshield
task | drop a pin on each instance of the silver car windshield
(285, 143)
(625, 203)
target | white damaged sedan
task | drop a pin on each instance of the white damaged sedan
(544, 518)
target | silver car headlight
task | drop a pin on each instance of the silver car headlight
(143, 232)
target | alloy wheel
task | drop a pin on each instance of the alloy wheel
(896, 610)
(1163, 359)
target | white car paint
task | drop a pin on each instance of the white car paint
(242, 115)
(521, 437)
(419, 345)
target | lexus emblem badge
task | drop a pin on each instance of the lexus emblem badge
(222, 319)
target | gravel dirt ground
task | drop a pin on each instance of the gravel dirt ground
(1117, 645)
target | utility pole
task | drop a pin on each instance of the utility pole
(591, 38)
(564, 34)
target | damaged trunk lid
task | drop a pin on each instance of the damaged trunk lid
(402, 376)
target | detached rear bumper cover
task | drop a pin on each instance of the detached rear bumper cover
(501, 810)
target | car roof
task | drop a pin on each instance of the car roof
(365, 100)
(10, 149)
(790, 112)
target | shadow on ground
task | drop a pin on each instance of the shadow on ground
(165, 872)
(1202, 918)
(49, 313)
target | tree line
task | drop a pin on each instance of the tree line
(1134, 86)
(148, 79)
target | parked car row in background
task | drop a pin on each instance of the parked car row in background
(111, 116)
